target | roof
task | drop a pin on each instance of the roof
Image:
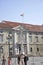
(30, 27)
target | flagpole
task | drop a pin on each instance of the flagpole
(21, 36)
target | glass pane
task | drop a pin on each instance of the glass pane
(1, 38)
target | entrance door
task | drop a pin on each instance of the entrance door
(19, 47)
(25, 48)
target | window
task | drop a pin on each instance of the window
(11, 51)
(36, 39)
(10, 32)
(25, 48)
(9, 38)
(42, 33)
(31, 49)
(30, 33)
(18, 37)
(1, 38)
(1, 31)
(37, 49)
(19, 47)
(30, 38)
(36, 33)
(42, 39)
(1, 51)
(24, 37)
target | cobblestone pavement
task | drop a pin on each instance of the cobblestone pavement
(31, 61)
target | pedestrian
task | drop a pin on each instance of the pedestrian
(3, 60)
(18, 60)
(25, 59)
(9, 60)
(22, 59)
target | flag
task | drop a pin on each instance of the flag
(22, 14)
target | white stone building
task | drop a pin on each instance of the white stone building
(13, 34)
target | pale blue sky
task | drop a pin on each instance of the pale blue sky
(32, 9)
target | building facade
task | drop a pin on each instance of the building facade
(19, 37)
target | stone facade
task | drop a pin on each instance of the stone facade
(12, 38)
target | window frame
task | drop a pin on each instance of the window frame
(30, 49)
(1, 38)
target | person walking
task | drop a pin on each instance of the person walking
(21, 59)
(25, 59)
(18, 60)
(9, 60)
(3, 60)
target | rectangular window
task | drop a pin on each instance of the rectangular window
(37, 49)
(1, 38)
(19, 47)
(30, 38)
(24, 37)
(1, 31)
(1, 51)
(10, 38)
(31, 49)
(19, 38)
(25, 48)
(11, 51)
(36, 39)
(30, 33)
(10, 32)
(42, 39)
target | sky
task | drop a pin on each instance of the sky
(10, 10)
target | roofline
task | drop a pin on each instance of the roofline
(31, 27)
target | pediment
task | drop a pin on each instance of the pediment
(19, 27)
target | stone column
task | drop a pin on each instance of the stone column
(28, 50)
